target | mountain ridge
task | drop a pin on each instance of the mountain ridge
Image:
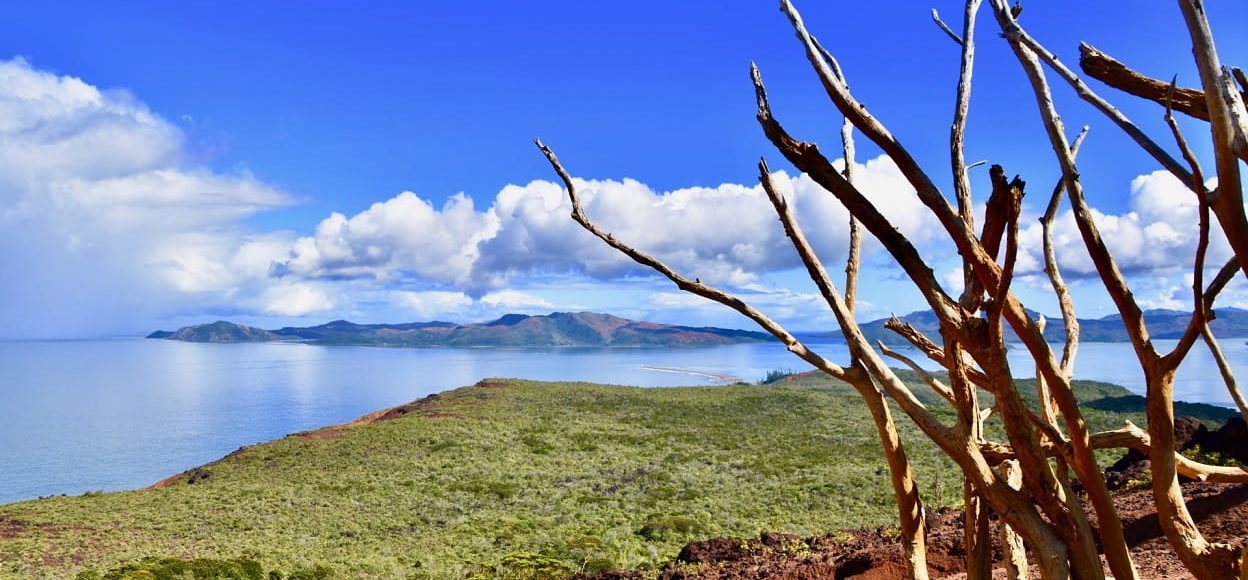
(554, 329)
(1229, 322)
(596, 329)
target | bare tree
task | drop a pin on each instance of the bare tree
(1025, 480)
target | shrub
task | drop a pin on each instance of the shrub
(663, 528)
(776, 375)
(525, 566)
(168, 568)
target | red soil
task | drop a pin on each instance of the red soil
(1221, 510)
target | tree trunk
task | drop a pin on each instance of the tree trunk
(1206, 561)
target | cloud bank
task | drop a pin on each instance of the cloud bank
(725, 234)
(107, 222)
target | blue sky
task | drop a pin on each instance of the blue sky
(171, 163)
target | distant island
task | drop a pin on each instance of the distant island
(555, 329)
(1162, 324)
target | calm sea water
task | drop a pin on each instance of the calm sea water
(78, 416)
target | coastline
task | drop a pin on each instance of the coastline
(717, 377)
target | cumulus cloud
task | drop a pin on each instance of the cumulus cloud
(59, 126)
(114, 225)
(724, 234)
(295, 299)
(109, 223)
(1157, 235)
(440, 304)
(433, 304)
(516, 300)
(402, 234)
(105, 221)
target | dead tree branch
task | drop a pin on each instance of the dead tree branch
(1106, 69)
(1228, 120)
(1031, 494)
(945, 27)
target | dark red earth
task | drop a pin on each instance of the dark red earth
(1221, 511)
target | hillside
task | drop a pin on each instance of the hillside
(219, 331)
(555, 329)
(1162, 324)
(506, 476)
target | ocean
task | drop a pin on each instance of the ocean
(106, 415)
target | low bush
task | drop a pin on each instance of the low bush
(660, 527)
(156, 568)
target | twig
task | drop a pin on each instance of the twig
(693, 286)
(1070, 323)
(807, 158)
(945, 27)
(1202, 308)
(854, 258)
(957, 145)
(1238, 73)
(940, 388)
(1198, 323)
(1106, 69)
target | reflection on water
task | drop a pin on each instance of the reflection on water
(121, 414)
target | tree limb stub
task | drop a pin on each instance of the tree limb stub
(1104, 68)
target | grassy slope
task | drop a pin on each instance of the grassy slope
(593, 476)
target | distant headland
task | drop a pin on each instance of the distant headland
(554, 329)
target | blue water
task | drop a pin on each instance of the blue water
(79, 416)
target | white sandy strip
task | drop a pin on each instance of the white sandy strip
(717, 377)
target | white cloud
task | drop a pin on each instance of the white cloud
(170, 199)
(513, 299)
(725, 234)
(402, 234)
(105, 223)
(295, 300)
(59, 126)
(1165, 295)
(1157, 235)
(108, 224)
(433, 304)
(794, 309)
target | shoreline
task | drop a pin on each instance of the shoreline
(718, 377)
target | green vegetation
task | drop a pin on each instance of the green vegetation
(201, 569)
(507, 479)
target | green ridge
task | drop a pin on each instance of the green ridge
(508, 478)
